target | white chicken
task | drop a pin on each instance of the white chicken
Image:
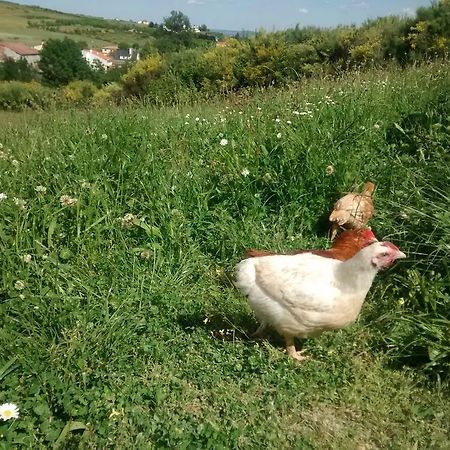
(304, 295)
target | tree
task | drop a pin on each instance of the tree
(17, 70)
(203, 28)
(62, 62)
(177, 21)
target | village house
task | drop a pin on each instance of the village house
(96, 59)
(122, 55)
(108, 49)
(17, 51)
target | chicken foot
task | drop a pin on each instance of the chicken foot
(291, 350)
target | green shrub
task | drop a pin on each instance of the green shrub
(17, 96)
(109, 94)
(80, 91)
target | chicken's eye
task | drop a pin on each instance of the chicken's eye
(384, 254)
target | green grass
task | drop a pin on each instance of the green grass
(103, 348)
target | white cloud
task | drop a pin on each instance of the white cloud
(408, 12)
(195, 2)
(355, 4)
(303, 11)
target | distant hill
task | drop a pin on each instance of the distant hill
(33, 24)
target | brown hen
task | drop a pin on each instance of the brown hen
(346, 245)
(352, 211)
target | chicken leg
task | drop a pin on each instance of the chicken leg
(291, 351)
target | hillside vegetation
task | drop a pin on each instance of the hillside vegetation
(120, 327)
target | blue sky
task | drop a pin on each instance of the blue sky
(241, 14)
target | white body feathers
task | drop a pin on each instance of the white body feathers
(304, 295)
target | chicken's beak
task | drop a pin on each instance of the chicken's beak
(399, 255)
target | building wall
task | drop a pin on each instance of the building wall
(8, 53)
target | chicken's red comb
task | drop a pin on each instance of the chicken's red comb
(390, 245)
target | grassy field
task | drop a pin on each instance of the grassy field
(14, 26)
(120, 327)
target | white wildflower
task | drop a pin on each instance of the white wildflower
(15, 163)
(146, 254)
(197, 119)
(279, 135)
(9, 411)
(277, 120)
(40, 189)
(26, 258)
(376, 126)
(223, 142)
(104, 136)
(329, 170)
(20, 203)
(295, 112)
(288, 122)
(67, 200)
(128, 220)
(85, 184)
(3, 196)
(19, 285)
(245, 172)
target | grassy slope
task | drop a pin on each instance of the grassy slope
(153, 352)
(14, 27)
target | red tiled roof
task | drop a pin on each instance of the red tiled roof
(20, 49)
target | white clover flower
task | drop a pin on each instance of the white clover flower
(186, 123)
(187, 116)
(9, 411)
(258, 108)
(277, 120)
(40, 189)
(223, 142)
(376, 126)
(26, 258)
(146, 254)
(67, 200)
(278, 135)
(15, 163)
(329, 170)
(20, 203)
(288, 122)
(104, 136)
(128, 220)
(295, 112)
(19, 285)
(85, 184)
(3, 196)
(245, 172)
(197, 119)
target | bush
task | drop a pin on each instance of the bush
(80, 91)
(110, 94)
(136, 80)
(17, 96)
